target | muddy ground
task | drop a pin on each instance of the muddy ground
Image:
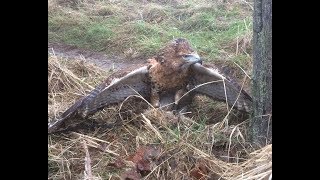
(100, 59)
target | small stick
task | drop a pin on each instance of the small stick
(87, 163)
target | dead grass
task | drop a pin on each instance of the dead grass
(69, 80)
(186, 146)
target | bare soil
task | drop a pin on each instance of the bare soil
(98, 58)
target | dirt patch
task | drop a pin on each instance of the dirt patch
(100, 59)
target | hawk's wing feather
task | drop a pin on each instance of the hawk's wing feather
(135, 82)
(105, 94)
(211, 83)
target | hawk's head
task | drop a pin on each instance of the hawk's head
(178, 53)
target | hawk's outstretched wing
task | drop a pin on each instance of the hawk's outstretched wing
(210, 82)
(160, 81)
(107, 93)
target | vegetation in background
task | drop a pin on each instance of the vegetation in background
(138, 28)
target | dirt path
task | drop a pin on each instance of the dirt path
(100, 59)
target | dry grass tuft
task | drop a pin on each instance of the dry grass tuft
(154, 13)
(69, 80)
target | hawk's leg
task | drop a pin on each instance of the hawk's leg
(155, 98)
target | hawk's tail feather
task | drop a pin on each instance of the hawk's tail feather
(74, 110)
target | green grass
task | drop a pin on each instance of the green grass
(115, 27)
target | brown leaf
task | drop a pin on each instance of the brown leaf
(143, 159)
(143, 167)
(203, 168)
(135, 158)
(199, 171)
(196, 173)
(131, 175)
(147, 153)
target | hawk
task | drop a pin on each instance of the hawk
(170, 79)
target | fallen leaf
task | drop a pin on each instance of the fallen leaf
(143, 167)
(196, 173)
(199, 171)
(131, 175)
(147, 153)
(143, 159)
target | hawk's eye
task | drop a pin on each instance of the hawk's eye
(185, 56)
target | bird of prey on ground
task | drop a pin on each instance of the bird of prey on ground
(172, 77)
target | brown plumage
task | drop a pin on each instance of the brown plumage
(164, 80)
(169, 70)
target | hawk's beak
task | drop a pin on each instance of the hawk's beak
(192, 58)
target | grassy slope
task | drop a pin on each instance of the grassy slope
(219, 31)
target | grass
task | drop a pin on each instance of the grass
(115, 27)
(197, 145)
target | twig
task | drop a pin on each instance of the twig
(197, 86)
(242, 70)
(251, 7)
(234, 102)
(138, 96)
(225, 93)
(237, 49)
(87, 163)
(147, 121)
